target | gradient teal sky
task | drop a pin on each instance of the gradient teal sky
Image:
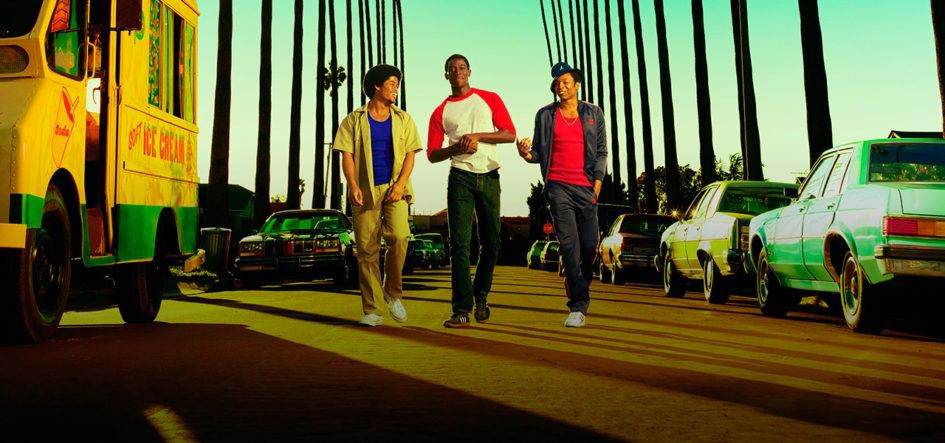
(880, 64)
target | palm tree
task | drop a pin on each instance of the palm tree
(574, 46)
(554, 19)
(580, 45)
(748, 117)
(364, 67)
(403, 60)
(261, 203)
(336, 77)
(220, 139)
(349, 97)
(318, 193)
(649, 186)
(939, 34)
(544, 22)
(614, 142)
(588, 59)
(367, 22)
(819, 133)
(627, 104)
(669, 125)
(381, 52)
(564, 37)
(706, 151)
(293, 197)
(600, 64)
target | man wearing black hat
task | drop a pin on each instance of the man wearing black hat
(570, 144)
(474, 121)
(378, 142)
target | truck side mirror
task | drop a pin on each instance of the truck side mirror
(128, 15)
(61, 14)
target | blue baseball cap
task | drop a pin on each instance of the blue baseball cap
(562, 68)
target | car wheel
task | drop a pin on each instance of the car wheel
(605, 275)
(41, 273)
(673, 283)
(773, 299)
(140, 286)
(863, 308)
(714, 284)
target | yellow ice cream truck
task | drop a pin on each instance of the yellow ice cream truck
(98, 153)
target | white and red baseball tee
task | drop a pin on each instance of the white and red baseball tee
(477, 111)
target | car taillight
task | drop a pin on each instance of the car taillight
(13, 59)
(913, 227)
(744, 236)
(627, 245)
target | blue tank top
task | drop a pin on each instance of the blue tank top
(382, 150)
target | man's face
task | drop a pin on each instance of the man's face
(388, 90)
(458, 73)
(565, 87)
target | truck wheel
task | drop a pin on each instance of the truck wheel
(41, 272)
(864, 308)
(140, 286)
(714, 285)
(673, 283)
(774, 299)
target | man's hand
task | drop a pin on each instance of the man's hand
(468, 144)
(524, 148)
(354, 195)
(395, 193)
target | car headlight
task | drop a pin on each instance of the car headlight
(13, 59)
(251, 248)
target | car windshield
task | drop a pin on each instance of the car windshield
(18, 17)
(753, 200)
(437, 240)
(649, 225)
(915, 162)
(304, 222)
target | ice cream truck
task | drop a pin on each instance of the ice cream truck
(98, 154)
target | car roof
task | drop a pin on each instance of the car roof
(753, 184)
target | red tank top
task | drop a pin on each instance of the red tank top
(567, 152)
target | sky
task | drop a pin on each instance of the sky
(879, 57)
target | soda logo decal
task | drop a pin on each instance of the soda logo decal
(63, 125)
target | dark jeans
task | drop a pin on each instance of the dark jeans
(467, 192)
(574, 215)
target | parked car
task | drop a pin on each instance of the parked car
(442, 257)
(868, 223)
(710, 240)
(533, 259)
(632, 241)
(299, 245)
(549, 256)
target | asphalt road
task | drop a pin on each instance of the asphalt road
(288, 363)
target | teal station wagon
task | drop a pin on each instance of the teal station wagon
(868, 221)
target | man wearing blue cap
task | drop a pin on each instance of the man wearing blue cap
(570, 145)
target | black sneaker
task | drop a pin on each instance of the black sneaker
(458, 320)
(482, 310)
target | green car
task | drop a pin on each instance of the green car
(709, 242)
(868, 221)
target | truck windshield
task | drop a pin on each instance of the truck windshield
(18, 17)
(920, 162)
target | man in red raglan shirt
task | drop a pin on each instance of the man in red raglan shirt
(474, 121)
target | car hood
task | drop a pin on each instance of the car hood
(923, 199)
(286, 236)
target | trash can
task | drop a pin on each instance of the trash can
(216, 243)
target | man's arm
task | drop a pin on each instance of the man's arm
(397, 190)
(354, 191)
(600, 165)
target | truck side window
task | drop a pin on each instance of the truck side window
(66, 33)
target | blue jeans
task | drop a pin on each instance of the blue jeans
(574, 215)
(467, 192)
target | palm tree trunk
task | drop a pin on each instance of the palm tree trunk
(703, 105)
(261, 202)
(600, 66)
(349, 97)
(364, 66)
(588, 59)
(564, 36)
(649, 184)
(574, 45)
(669, 126)
(612, 107)
(554, 19)
(544, 22)
(367, 23)
(380, 31)
(318, 187)
(580, 63)
(293, 197)
(335, 182)
(393, 23)
(819, 131)
(938, 31)
(748, 117)
(403, 60)
(220, 139)
(627, 103)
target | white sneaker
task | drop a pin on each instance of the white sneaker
(371, 320)
(575, 320)
(397, 311)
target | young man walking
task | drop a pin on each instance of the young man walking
(473, 121)
(378, 142)
(571, 146)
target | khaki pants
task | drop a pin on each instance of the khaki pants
(370, 220)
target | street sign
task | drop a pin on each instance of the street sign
(547, 228)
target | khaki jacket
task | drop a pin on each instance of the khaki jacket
(354, 135)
